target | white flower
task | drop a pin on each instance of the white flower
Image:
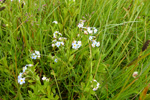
(33, 56)
(74, 46)
(62, 43)
(97, 44)
(91, 37)
(53, 45)
(24, 68)
(93, 41)
(60, 34)
(37, 53)
(20, 75)
(79, 42)
(52, 57)
(60, 38)
(54, 36)
(21, 80)
(64, 38)
(97, 85)
(93, 45)
(44, 78)
(85, 32)
(54, 40)
(89, 30)
(134, 75)
(57, 44)
(95, 30)
(80, 25)
(55, 22)
(55, 60)
(56, 32)
(30, 65)
(82, 21)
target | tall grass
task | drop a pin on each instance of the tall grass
(123, 28)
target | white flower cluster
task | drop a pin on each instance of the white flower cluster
(56, 33)
(35, 55)
(45, 78)
(97, 85)
(58, 40)
(89, 30)
(94, 42)
(21, 79)
(76, 44)
(81, 24)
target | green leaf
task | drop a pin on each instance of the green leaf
(30, 81)
(44, 99)
(32, 86)
(71, 58)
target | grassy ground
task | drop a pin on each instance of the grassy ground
(123, 28)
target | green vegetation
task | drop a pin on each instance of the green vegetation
(85, 56)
